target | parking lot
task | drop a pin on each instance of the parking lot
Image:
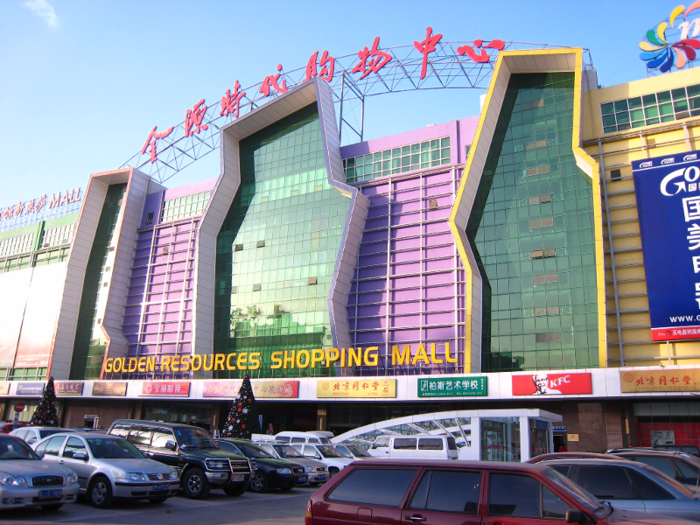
(274, 507)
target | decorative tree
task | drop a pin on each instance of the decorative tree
(242, 420)
(46, 414)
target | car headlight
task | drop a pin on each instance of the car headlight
(173, 476)
(71, 478)
(12, 481)
(310, 470)
(136, 476)
(217, 464)
(284, 471)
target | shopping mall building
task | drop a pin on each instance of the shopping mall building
(490, 262)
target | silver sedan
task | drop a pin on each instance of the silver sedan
(109, 467)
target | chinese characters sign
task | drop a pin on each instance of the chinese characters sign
(660, 381)
(35, 206)
(453, 387)
(668, 202)
(166, 388)
(261, 389)
(551, 384)
(354, 388)
(69, 388)
(109, 388)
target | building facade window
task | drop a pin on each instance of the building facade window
(186, 206)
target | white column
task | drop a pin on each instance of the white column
(524, 438)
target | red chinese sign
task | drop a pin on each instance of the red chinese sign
(272, 82)
(543, 383)
(660, 381)
(371, 61)
(166, 388)
(151, 142)
(427, 46)
(194, 117)
(482, 57)
(231, 102)
(327, 67)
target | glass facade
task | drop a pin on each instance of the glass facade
(664, 106)
(277, 248)
(186, 206)
(531, 230)
(90, 344)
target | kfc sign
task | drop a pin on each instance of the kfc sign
(543, 383)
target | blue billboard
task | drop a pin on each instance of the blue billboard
(668, 202)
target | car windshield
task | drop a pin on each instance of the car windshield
(15, 449)
(585, 498)
(358, 451)
(51, 431)
(103, 448)
(285, 451)
(194, 438)
(344, 451)
(253, 451)
(329, 452)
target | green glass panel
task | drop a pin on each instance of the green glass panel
(694, 90)
(663, 96)
(651, 111)
(652, 121)
(635, 102)
(680, 105)
(649, 99)
(637, 114)
(695, 103)
(622, 117)
(621, 105)
(678, 93)
(607, 109)
(666, 109)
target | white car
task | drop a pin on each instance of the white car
(328, 455)
(26, 480)
(33, 434)
(109, 467)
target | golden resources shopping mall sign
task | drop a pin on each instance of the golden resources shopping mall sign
(287, 359)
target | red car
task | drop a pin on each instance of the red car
(6, 428)
(568, 455)
(461, 492)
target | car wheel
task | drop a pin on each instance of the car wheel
(238, 490)
(195, 484)
(158, 500)
(258, 482)
(99, 493)
(332, 471)
(52, 506)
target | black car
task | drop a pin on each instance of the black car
(192, 451)
(269, 472)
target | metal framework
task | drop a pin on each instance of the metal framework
(447, 69)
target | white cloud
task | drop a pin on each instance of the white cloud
(43, 9)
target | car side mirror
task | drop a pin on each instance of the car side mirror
(41, 455)
(575, 516)
(171, 445)
(31, 441)
(82, 456)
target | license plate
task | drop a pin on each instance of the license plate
(238, 477)
(50, 494)
(159, 487)
(321, 476)
(302, 479)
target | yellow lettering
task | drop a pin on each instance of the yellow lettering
(196, 362)
(151, 364)
(219, 361)
(254, 360)
(229, 361)
(403, 358)
(372, 356)
(447, 354)
(185, 363)
(132, 361)
(289, 360)
(165, 363)
(307, 358)
(317, 357)
(117, 365)
(355, 355)
(211, 362)
(242, 361)
(276, 360)
(421, 355)
(141, 366)
(435, 359)
(332, 355)
(342, 357)
(108, 364)
(175, 363)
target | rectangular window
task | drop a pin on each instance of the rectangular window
(384, 487)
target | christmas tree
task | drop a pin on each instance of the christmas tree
(45, 414)
(242, 420)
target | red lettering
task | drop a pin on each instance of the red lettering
(427, 46)
(380, 60)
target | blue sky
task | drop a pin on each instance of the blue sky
(83, 82)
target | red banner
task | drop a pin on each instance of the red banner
(166, 388)
(542, 383)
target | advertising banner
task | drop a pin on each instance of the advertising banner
(30, 389)
(453, 387)
(109, 388)
(69, 388)
(166, 388)
(228, 389)
(288, 389)
(551, 384)
(4, 388)
(660, 381)
(668, 203)
(352, 388)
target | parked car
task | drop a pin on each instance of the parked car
(682, 467)
(291, 436)
(631, 485)
(33, 434)
(326, 454)
(192, 452)
(26, 480)
(688, 449)
(352, 451)
(567, 455)
(109, 467)
(6, 428)
(269, 472)
(316, 472)
(445, 492)
(426, 446)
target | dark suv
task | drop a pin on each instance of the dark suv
(191, 450)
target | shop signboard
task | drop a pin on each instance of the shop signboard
(4, 388)
(166, 388)
(109, 388)
(660, 381)
(228, 389)
(30, 389)
(272, 389)
(69, 388)
(668, 203)
(356, 388)
(544, 383)
(454, 387)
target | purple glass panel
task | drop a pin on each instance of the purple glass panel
(407, 195)
(375, 271)
(439, 278)
(406, 218)
(437, 227)
(377, 211)
(405, 231)
(411, 255)
(439, 318)
(406, 295)
(438, 177)
(368, 323)
(439, 251)
(371, 309)
(439, 333)
(370, 260)
(375, 247)
(374, 236)
(403, 244)
(404, 335)
(440, 213)
(435, 305)
(447, 290)
(404, 268)
(371, 298)
(405, 282)
(407, 184)
(372, 285)
(367, 337)
(439, 238)
(439, 189)
(374, 190)
(405, 320)
(380, 222)
(375, 200)
(406, 308)
(439, 264)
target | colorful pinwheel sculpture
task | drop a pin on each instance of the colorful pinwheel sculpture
(659, 54)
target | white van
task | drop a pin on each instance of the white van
(420, 446)
(291, 437)
(326, 454)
